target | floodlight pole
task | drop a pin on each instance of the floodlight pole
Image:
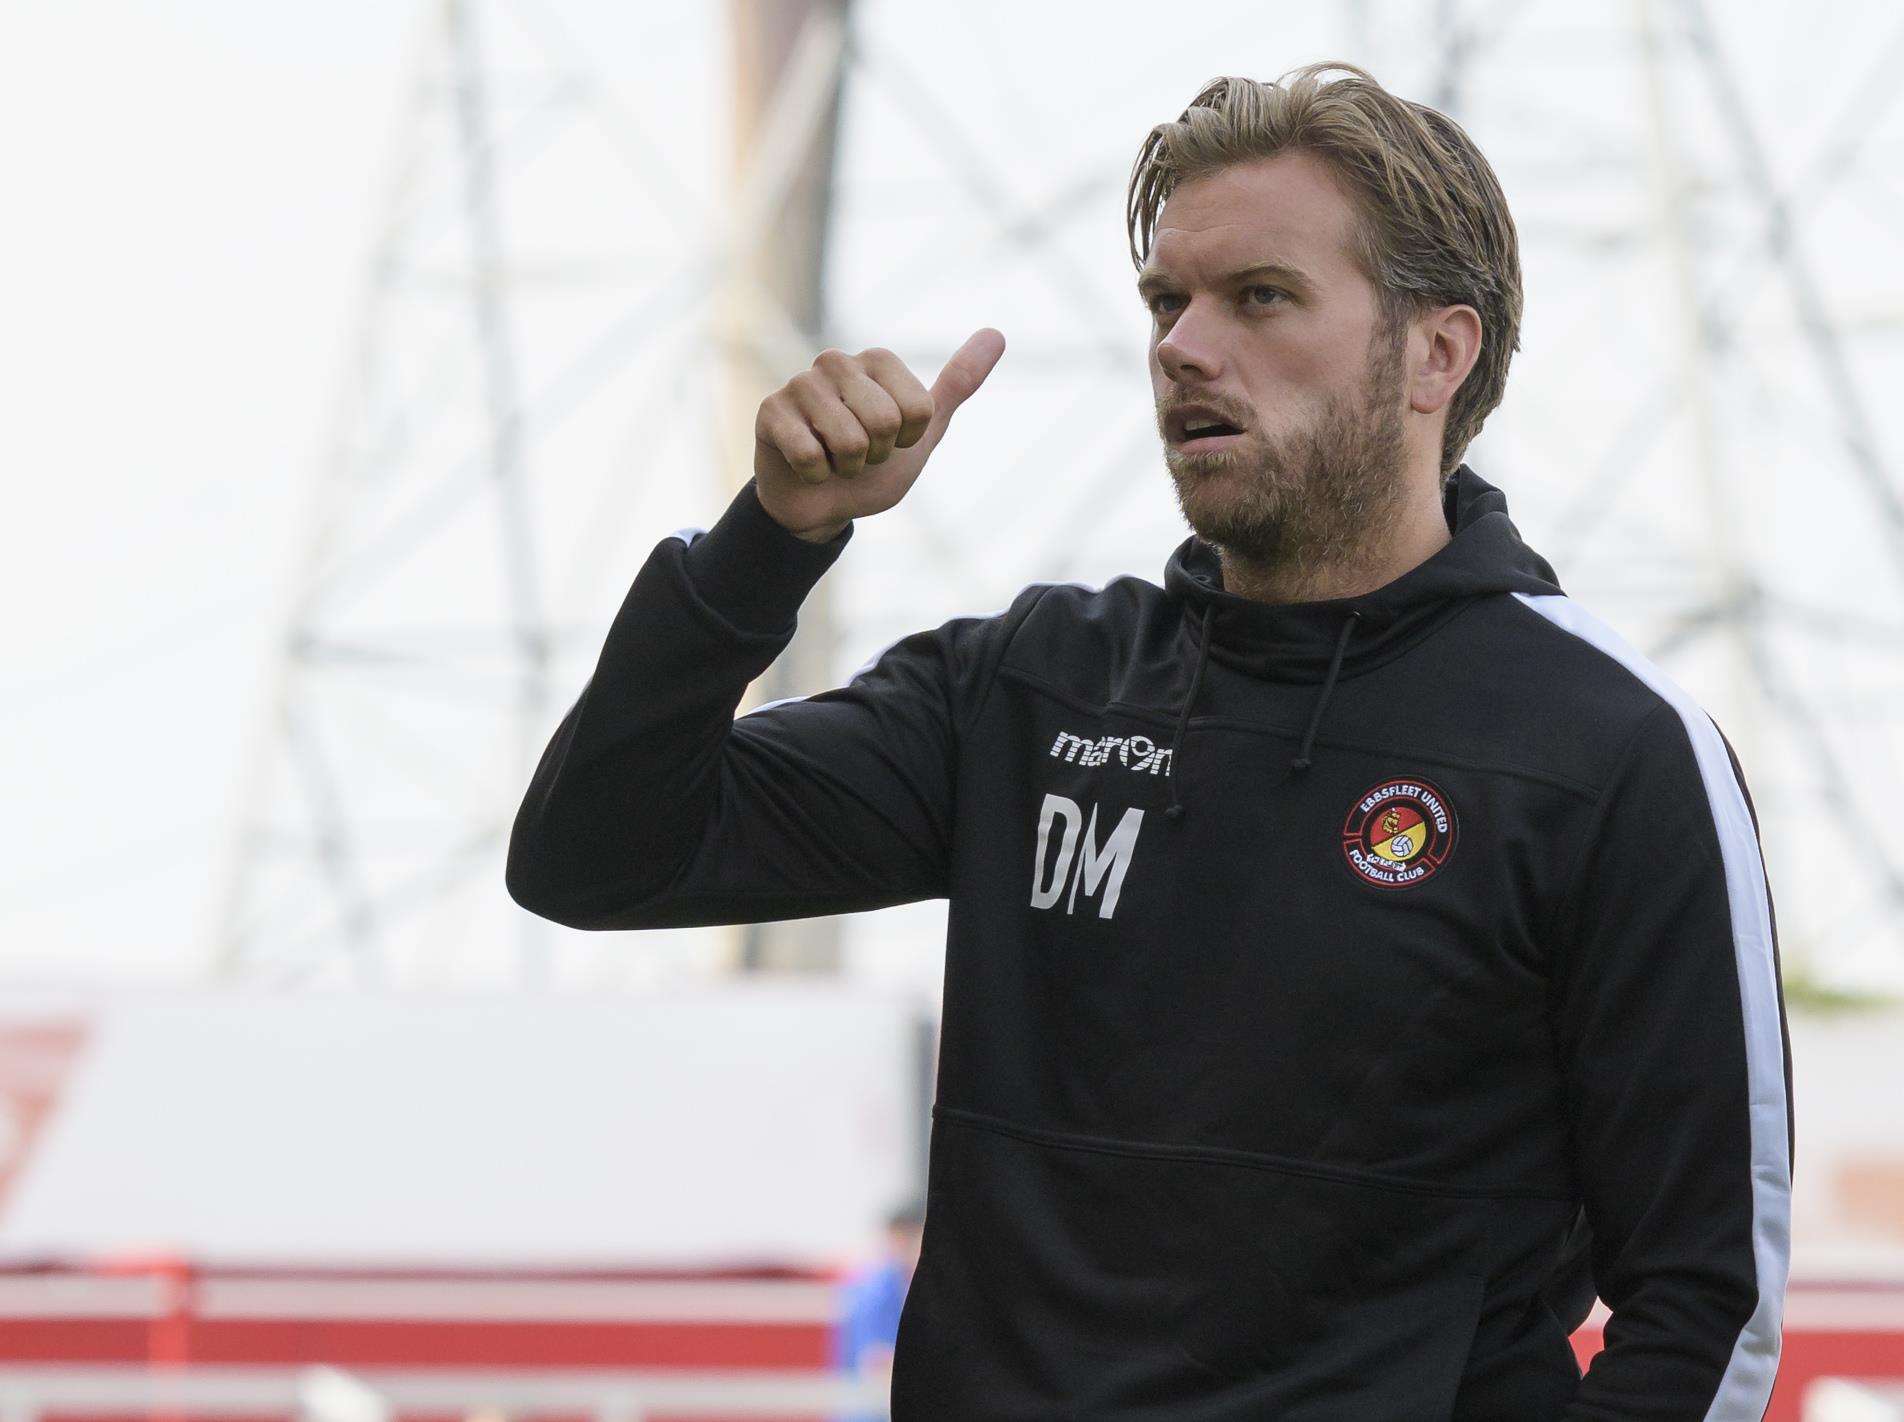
(788, 61)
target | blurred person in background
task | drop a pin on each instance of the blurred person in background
(871, 1298)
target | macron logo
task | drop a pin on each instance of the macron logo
(1132, 752)
(1080, 863)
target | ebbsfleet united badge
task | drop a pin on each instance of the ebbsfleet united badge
(1399, 833)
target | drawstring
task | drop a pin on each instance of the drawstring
(1302, 760)
(1175, 811)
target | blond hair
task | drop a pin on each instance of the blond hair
(1432, 226)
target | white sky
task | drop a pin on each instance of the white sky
(191, 188)
(188, 185)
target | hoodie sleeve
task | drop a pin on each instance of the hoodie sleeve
(654, 806)
(1670, 1027)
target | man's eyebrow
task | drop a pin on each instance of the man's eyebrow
(1151, 280)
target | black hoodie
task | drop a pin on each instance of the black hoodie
(1337, 994)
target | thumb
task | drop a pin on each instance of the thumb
(961, 378)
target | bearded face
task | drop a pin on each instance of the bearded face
(1313, 494)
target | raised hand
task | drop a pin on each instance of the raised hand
(848, 436)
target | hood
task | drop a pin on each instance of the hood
(1324, 640)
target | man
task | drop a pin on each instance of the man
(872, 1297)
(1358, 954)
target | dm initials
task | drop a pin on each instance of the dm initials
(1080, 862)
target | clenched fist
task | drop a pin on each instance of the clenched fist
(847, 437)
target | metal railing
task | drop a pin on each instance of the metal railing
(332, 1395)
(1854, 1400)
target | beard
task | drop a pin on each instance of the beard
(1324, 495)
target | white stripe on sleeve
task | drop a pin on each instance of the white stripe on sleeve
(1746, 1385)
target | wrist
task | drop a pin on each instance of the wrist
(819, 535)
(754, 571)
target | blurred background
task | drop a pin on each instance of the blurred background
(356, 355)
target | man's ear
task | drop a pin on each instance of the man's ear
(1449, 341)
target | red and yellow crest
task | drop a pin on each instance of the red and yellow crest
(1399, 833)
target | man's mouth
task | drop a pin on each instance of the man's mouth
(1208, 434)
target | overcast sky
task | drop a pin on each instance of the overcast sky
(187, 188)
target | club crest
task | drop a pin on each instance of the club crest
(1399, 833)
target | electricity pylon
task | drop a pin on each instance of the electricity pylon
(1728, 493)
(1669, 429)
(452, 539)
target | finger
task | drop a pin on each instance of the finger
(876, 411)
(837, 427)
(961, 378)
(912, 398)
(966, 371)
(784, 429)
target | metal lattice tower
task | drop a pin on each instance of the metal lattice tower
(1729, 499)
(1688, 433)
(518, 309)
(1689, 429)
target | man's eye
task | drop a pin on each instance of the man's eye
(1155, 302)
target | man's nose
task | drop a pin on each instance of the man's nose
(1191, 349)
